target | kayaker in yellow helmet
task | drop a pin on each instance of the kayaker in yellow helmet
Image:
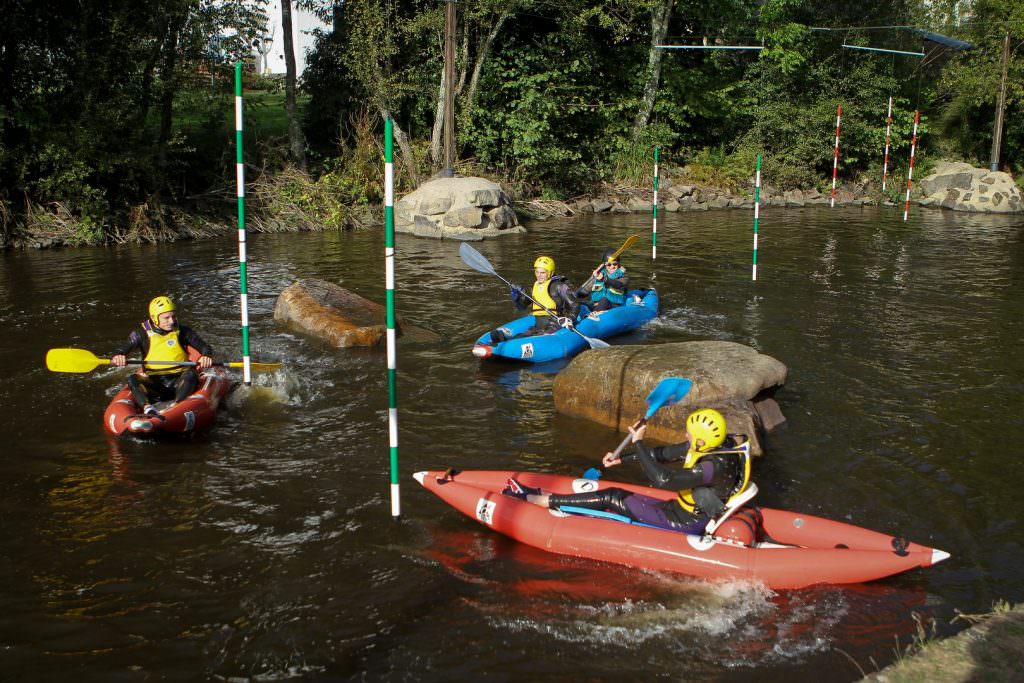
(609, 286)
(550, 291)
(714, 472)
(161, 338)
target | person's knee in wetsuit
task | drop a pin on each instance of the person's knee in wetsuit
(613, 499)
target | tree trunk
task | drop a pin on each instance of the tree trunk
(481, 57)
(661, 14)
(296, 143)
(169, 89)
(438, 130)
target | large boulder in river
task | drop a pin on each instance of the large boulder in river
(336, 315)
(467, 209)
(961, 187)
(609, 386)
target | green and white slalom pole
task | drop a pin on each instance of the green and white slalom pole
(389, 270)
(757, 215)
(654, 216)
(240, 178)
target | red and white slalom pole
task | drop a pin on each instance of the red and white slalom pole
(835, 156)
(888, 133)
(910, 173)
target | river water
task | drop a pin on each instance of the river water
(265, 549)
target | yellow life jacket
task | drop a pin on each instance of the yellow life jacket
(163, 346)
(541, 296)
(685, 497)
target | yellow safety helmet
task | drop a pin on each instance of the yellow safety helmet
(707, 425)
(545, 262)
(160, 304)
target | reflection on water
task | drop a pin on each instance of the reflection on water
(265, 548)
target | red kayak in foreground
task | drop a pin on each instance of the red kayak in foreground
(778, 548)
(194, 414)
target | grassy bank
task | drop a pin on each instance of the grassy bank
(991, 650)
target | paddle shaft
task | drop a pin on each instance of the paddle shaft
(232, 364)
(625, 442)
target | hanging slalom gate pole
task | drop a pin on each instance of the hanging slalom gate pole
(654, 212)
(242, 256)
(888, 131)
(389, 277)
(757, 215)
(835, 155)
(910, 173)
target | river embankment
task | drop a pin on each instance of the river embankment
(988, 651)
(282, 205)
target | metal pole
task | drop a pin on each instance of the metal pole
(997, 133)
(757, 214)
(449, 86)
(888, 132)
(910, 172)
(389, 280)
(835, 155)
(242, 256)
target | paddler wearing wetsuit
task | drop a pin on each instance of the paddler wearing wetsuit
(550, 291)
(713, 474)
(161, 338)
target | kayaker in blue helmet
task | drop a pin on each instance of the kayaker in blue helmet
(551, 292)
(713, 474)
(161, 338)
(610, 283)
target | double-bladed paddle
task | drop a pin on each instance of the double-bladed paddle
(477, 261)
(80, 360)
(625, 245)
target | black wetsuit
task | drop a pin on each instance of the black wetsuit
(148, 389)
(711, 480)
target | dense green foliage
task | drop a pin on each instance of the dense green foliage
(112, 110)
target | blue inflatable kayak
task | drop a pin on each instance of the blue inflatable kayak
(640, 307)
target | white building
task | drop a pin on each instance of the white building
(303, 25)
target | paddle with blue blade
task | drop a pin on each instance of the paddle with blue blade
(477, 261)
(669, 391)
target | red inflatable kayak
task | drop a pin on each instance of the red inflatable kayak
(194, 414)
(778, 548)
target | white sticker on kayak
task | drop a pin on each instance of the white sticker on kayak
(699, 542)
(190, 420)
(584, 485)
(526, 351)
(485, 510)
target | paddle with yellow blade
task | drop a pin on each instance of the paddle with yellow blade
(80, 360)
(625, 245)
